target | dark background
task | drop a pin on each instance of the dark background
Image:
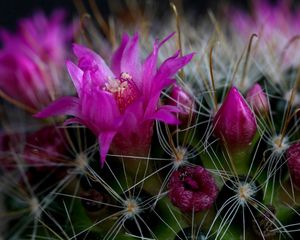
(12, 10)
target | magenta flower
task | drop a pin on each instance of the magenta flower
(119, 104)
(293, 161)
(258, 100)
(31, 59)
(192, 189)
(235, 123)
(275, 24)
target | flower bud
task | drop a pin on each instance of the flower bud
(192, 189)
(183, 101)
(258, 100)
(293, 161)
(235, 123)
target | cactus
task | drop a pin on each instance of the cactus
(194, 136)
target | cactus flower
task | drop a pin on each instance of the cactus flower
(192, 189)
(293, 161)
(257, 99)
(31, 59)
(235, 123)
(119, 104)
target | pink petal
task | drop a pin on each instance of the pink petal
(173, 64)
(152, 103)
(100, 108)
(168, 69)
(132, 118)
(165, 115)
(62, 106)
(89, 60)
(117, 56)
(131, 62)
(105, 139)
(76, 75)
(149, 67)
(257, 99)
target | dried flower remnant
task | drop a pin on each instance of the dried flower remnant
(192, 189)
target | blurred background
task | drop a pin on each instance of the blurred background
(12, 10)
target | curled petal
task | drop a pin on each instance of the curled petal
(164, 114)
(168, 69)
(89, 60)
(149, 66)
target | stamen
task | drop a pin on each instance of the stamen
(113, 85)
(124, 90)
(125, 76)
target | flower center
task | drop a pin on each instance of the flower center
(124, 90)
